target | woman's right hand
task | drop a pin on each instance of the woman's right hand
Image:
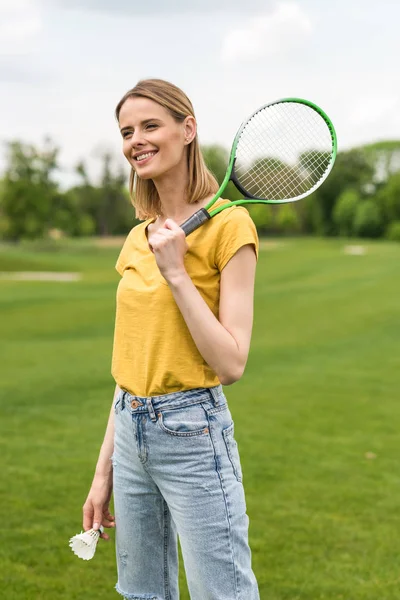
(96, 508)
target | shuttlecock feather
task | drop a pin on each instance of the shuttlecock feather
(84, 543)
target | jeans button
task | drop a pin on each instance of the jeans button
(135, 403)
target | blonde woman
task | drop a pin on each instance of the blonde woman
(183, 326)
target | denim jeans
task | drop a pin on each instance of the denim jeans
(177, 473)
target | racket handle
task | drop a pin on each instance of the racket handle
(193, 222)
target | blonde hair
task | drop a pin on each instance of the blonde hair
(202, 182)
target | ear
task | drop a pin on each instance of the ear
(189, 128)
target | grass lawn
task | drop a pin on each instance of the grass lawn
(317, 420)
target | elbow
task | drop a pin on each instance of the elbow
(231, 376)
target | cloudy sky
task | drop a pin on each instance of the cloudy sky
(64, 64)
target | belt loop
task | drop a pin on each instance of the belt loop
(215, 393)
(151, 409)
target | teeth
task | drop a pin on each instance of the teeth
(143, 156)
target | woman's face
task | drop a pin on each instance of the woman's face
(153, 141)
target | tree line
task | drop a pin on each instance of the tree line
(360, 198)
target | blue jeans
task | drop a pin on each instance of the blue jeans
(177, 473)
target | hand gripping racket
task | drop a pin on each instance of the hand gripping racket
(283, 152)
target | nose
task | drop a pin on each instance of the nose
(136, 139)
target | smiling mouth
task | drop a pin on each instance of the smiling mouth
(144, 156)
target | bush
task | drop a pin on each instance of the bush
(393, 231)
(368, 219)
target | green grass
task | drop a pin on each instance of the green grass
(321, 391)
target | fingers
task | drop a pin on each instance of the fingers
(88, 513)
(170, 227)
(108, 521)
(97, 521)
(108, 515)
(94, 517)
(170, 224)
(105, 519)
(160, 241)
(166, 234)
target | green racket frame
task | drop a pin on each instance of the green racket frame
(204, 214)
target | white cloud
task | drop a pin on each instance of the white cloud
(158, 8)
(70, 68)
(372, 109)
(20, 22)
(375, 117)
(267, 35)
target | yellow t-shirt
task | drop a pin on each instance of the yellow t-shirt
(154, 352)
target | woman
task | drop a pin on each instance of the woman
(183, 327)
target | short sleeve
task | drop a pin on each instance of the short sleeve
(124, 255)
(236, 230)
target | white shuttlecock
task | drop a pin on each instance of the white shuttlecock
(84, 543)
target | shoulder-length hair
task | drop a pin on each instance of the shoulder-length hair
(201, 183)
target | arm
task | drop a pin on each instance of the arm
(104, 466)
(96, 508)
(224, 344)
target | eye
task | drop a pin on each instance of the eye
(126, 134)
(151, 126)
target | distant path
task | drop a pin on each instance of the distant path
(39, 276)
(110, 242)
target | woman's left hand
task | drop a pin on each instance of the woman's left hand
(169, 246)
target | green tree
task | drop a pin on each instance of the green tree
(368, 219)
(351, 170)
(107, 206)
(384, 159)
(393, 231)
(389, 198)
(216, 158)
(115, 211)
(71, 216)
(261, 215)
(29, 190)
(83, 202)
(287, 220)
(344, 212)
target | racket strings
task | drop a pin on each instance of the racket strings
(280, 176)
(283, 152)
(281, 182)
(255, 178)
(273, 178)
(277, 181)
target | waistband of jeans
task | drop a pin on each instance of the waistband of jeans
(172, 400)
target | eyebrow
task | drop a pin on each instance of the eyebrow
(142, 123)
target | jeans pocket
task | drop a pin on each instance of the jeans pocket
(184, 422)
(233, 451)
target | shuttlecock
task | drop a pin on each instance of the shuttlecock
(84, 543)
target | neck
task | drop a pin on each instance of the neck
(171, 188)
(172, 193)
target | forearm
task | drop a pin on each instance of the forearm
(104, 465)
(217, 346)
